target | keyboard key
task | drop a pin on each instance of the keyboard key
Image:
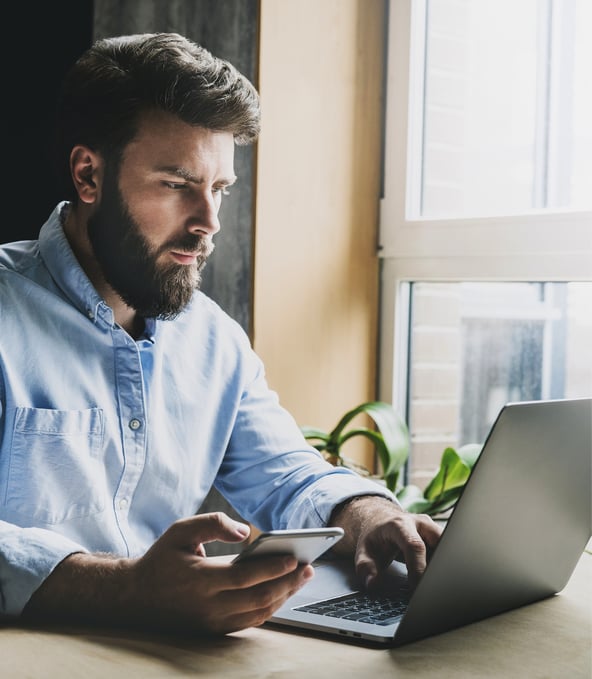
(360, 606)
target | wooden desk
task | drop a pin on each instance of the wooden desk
(550, 639)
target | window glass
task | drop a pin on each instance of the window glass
(475, 346)
(507, 107)
(581, 127)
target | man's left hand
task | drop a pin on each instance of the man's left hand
(377, 531)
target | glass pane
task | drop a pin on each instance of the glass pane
(507, 107)
(476, 346)
(581, 127)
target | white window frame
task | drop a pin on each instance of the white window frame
(544, 245)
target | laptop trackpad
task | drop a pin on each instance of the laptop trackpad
(336, 577)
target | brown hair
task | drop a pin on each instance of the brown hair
(117, 79)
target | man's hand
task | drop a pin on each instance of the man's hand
(174, 585)
(377, 531)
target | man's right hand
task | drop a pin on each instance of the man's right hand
(174, 585)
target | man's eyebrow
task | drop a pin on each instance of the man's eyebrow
(185, 174)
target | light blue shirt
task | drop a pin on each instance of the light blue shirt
(106, 440)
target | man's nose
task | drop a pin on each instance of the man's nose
(204, 218)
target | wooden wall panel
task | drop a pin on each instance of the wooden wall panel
(316, 267)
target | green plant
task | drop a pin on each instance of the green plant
(446, 486)
(390, 440)
(392, 443)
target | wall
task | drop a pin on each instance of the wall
(318, 184)
(39, 44)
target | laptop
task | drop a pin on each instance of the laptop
(514, 537)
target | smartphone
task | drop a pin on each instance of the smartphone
(306, 544)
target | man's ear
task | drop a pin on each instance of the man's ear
(86, 168)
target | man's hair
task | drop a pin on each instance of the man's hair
(118, 79)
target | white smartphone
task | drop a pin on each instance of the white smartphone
(306, 544)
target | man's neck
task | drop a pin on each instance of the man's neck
(74, 223)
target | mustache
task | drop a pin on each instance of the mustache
(190, 243)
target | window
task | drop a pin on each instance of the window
(486, 221)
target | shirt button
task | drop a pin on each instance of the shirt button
(123, 503)
(135, 424)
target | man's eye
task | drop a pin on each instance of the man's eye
(175, 185)
(222, 190)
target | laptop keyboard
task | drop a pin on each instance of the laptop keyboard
(360, 606)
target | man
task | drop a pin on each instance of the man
(125, 393)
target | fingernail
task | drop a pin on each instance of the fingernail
(307, 574)
(290, 562)
(242, 529)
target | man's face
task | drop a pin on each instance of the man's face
(151, 232)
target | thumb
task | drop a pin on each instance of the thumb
(190, 533)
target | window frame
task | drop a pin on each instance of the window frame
(539, 245)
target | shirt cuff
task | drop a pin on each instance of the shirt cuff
(314, 508)
(27, 557)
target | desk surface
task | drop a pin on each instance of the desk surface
(551, 639)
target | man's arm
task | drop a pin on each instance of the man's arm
(173, 586)
(377, 531)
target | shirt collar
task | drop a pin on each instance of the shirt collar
(67, 272)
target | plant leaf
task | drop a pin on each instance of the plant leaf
(419, 506)
(374, 436)
(391, 481)
(444, 501)
(318, 439)
(392, 430)
(413, 501)
(455, 468)
(312, 433)
(469, 453)
(409, 493)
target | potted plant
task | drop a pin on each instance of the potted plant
(391, 442)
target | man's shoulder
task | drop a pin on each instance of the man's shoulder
(203, 306)
(20, 258)
(204, 316)
(19, 255)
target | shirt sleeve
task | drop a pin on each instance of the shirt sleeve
(273, 477)
(27, 557)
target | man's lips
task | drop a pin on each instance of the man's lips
(184, 257)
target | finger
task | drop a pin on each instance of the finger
(399, 540)
(252, 572)
(236, 609)
(429, 530)
(366, 566)
(415, 555)
(258, 603)
(190, 533)
(420, 538)
(377, 551)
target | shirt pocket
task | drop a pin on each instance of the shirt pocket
(55, 471)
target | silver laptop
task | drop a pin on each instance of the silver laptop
(514, 537)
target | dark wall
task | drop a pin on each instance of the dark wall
(39, 43)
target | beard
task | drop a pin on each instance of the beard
(129, 264)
